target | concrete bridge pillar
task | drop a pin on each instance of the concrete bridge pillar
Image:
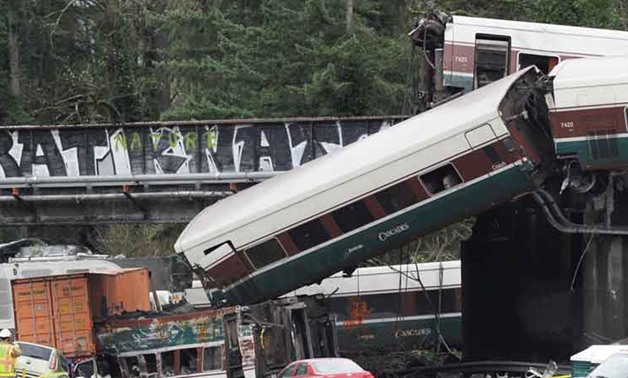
(604, 291)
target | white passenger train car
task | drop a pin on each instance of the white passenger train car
(476, 51)
(387, 280)
(394, 307)
(334, 212)
(589, 112)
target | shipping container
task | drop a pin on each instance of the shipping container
(55, 311)
(60, 311)
(119, 293)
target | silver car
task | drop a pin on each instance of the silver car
(40, 361)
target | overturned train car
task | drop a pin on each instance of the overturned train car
(332, 213)
(233, 342)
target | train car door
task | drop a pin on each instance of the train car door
(492, 59)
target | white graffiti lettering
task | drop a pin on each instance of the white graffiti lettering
(172, 150)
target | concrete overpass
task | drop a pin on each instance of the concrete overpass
(154, 171)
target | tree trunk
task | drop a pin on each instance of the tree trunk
(160, 45)
(349, 15)
(163, 95)
(14, 56)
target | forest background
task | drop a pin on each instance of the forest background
(86, 61)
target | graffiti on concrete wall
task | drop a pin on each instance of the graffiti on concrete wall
(172, 149)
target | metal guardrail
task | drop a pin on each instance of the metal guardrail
(170, 179)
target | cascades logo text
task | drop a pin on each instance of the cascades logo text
(384, 235)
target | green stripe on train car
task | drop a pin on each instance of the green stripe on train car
(405, 334)
(583, 150)
(331, 258)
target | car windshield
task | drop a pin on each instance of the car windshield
(336, 366)
(35, 351)
(615, 366)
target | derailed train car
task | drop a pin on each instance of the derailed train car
(469, 52)
(330, 214)
(232, 342)
(589, 114)
(390, 308)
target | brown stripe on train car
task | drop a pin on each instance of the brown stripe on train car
(330, 225)
(583, 122)
(473, 165)
(376, 210)
(419, 191)
(288, 245)
(458, 58)
(228, 271)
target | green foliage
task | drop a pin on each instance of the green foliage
(130, 60)
(137, 240)
(591, 13)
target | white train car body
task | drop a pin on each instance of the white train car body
(394, 307)
(588, 112)
(480, 50)
(332, 213)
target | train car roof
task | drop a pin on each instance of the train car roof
(387, 279)
(539, 27)
(537, 38)
(436, 125)
(591, 72)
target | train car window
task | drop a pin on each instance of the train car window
(133, 366)
(395, 198)
(446, 298)
(266, 253)
(441, 179)
(603, 144)
(492, 59)
(545, 63)
(388, 305)
(188, 361)
(151, 363)
(212, 358)
(381, 306)
(309, 234)
(509, 144)
(167, 364)
(352, 216)
(340, 307)
(490, 152)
